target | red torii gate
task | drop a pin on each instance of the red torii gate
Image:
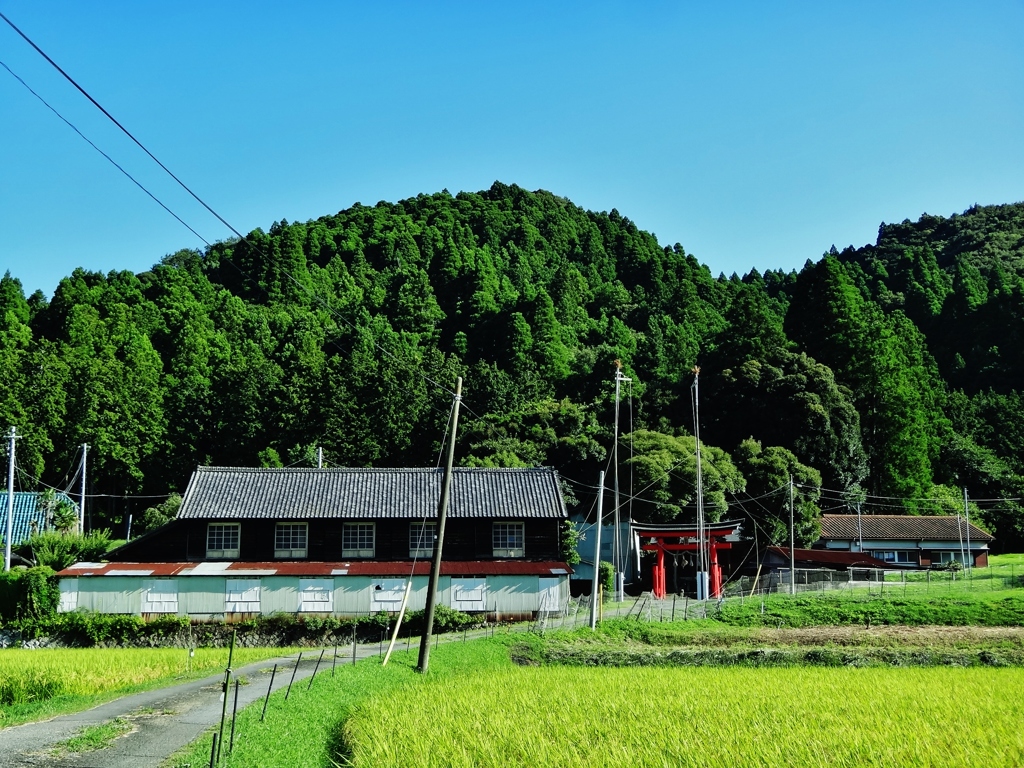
(685, 541)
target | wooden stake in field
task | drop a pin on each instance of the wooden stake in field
(234, 718)
(313, 676)
(269, 689)
(398, 622)
(289, 691)
(224, 693)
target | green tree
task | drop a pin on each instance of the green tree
(768, 472)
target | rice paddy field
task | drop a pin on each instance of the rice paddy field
(46, 681)
(477, 708)
(544, 716)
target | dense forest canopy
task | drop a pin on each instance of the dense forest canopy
(889, 374)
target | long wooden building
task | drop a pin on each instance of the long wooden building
(338, 541)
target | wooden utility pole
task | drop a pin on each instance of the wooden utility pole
(442, 513)
(10, 499)
(595, 584)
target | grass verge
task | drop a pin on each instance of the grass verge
(306, 731)
(93, 737)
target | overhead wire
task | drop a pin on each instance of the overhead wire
(241, 238)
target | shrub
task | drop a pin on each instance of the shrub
(606, 576)
(59, 550)
(28, 593)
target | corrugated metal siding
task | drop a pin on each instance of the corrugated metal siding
(280, 594)
(204, 596)
(513, 594)
(110, 594)
(201, 596)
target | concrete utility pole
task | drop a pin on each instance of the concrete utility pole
(597, 552)
(617, 557)
(792, 542)
(442, 513)
(967, 516)
(702, 553)
(860, 534)
(10, 499)
(81, 511)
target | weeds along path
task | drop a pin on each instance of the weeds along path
(162, 720)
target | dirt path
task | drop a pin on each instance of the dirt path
(162, 720)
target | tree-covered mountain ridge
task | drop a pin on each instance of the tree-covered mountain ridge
(889, 374)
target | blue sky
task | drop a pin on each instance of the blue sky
(755, 134)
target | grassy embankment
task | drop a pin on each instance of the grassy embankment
(37, 684)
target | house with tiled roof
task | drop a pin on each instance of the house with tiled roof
(29, 516)
(340, 541)
(907, 541)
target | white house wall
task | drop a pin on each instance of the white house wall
(204, 596)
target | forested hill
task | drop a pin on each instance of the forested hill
(890, 374)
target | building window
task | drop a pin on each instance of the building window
(357, 540)
(316, 595)
(290, 540)
(160, 596)
(954, 557)
(222, 540)
(507, 540)
(421, 539)
(895, 556)
(241, 595)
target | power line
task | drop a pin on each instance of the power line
(202, 202)
(89, 141)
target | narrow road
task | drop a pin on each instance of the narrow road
(163, 720)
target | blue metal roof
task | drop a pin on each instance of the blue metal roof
(25, 514)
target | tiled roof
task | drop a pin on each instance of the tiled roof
(397, 568)
(805, 557)
(25, 514)
(901, 527)
(240, 493)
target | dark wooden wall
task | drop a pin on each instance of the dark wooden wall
(465, 539)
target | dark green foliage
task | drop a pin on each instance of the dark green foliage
(58, 550)
(606, 578)
(892, 368)
(570, 537)
(768, 472)
(28, 594)
(160, 514)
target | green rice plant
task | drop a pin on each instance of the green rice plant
(46, 680)
(798, 716)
